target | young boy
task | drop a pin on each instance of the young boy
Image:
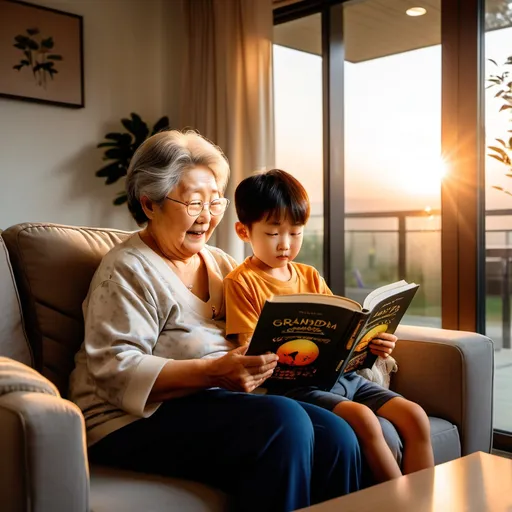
(273, 209)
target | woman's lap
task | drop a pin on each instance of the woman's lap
(241, 443)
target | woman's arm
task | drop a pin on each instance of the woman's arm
(234, 371)
(121, 331)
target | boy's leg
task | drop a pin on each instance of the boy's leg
(369, 432)
(412, 423)
(365, 424)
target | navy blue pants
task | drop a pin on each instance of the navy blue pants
(267, 452)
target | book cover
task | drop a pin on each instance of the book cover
(319, 336)
(384, 316)
(307, 337)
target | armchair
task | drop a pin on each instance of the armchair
(45, 270)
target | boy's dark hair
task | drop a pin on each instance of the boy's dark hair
(271, 195)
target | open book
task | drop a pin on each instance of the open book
(317, 337)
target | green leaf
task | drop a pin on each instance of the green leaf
(32, 44)
(118, 153)
(497, 158)
(47, 43)
(20, 46)
(123, 198)
(112, 168)
(21, 39)
(107, 145)
(139, 129)
(113, 136)
(127, 123)
(114, 177)
(160, 125)
(499, 150)
(54, 57)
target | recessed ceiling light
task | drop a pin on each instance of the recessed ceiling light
(416, 11)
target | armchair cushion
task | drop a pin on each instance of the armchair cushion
(450, 374)
(15, 376)
(13, 342)
(53, 266)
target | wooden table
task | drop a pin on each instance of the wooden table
(476, 483)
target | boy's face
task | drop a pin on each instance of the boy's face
(274, 242)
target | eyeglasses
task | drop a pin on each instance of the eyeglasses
(195, 208)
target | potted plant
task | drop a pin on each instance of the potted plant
(120, 148)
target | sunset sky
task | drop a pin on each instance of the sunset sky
(392, 126)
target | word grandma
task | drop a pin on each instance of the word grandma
(303, 322)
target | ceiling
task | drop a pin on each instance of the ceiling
(377, 28)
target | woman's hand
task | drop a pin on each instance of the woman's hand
(237, 372)
(383, 345)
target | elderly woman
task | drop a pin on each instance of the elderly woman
(161, 388)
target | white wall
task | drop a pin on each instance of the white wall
(48, 154)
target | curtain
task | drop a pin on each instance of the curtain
(227, 90)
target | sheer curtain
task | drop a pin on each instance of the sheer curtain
(227, 90)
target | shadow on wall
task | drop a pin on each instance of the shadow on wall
(91, 192)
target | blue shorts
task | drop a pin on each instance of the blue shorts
(350, 387)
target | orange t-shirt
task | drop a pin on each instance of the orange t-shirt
(247, 287)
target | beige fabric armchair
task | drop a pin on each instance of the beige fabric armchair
(45, 270)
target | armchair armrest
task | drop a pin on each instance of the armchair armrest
(450, 374)
(44, 460)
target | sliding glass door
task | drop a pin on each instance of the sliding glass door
(393, 166)
(498, 202)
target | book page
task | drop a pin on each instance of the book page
(317, 298)
(383, 292)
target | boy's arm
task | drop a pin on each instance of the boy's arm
(242, 312)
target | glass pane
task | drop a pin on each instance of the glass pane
(498, 202)
(393, 166)
(298, 119)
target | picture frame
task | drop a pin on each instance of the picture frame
(41, 54)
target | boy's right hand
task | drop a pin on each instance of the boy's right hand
(237, 372)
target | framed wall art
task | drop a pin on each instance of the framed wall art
(41, 54)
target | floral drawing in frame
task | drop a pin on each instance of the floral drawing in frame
(41, 54)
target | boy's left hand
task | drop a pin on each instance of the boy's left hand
(383, 345)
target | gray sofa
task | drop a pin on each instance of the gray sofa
(45, 270)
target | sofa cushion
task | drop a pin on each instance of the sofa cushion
(53, 265)
(13, 341)
(445, 440)
(114, 489)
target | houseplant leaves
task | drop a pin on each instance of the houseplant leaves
(120, 147)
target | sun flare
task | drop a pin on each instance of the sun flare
(422, 178)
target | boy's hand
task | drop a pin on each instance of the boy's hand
(383, 345)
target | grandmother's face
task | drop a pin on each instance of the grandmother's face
(174, 228)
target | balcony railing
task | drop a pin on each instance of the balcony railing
(386, 246)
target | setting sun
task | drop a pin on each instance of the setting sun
(421, 177)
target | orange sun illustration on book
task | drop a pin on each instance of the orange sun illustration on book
(298, 352)
(372, 333)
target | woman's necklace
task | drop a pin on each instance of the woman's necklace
(187, 275)
(191, 266)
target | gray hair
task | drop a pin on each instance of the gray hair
(160, 161)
